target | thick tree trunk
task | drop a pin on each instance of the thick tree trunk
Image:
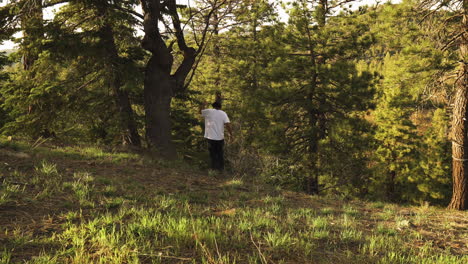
(31, 19)
(160, 84)
(158, 95)
(460, 149)
(459, 132)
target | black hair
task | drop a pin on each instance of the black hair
(216, 105)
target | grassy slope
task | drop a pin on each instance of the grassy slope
(84, 205)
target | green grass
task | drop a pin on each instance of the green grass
(72, 205)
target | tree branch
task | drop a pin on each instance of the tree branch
(130, 11)
(172, 7)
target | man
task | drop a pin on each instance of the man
(215, 120)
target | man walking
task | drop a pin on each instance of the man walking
(215, 120)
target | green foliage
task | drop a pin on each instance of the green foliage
(434, 182)
(3, 78)
(317, 93)
(396, 133)
(410, 60)
(66, 93)
(335, 100)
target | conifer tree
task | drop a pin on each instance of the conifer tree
(32, 25)
(434, 182)
(326, 84)
(236, 62)
(3, 78)
(82, 37)
(411, 58)
(396, 133)
(458, 39)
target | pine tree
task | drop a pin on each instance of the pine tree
(80, 49)
(396, 133)
(458, 39)
(403, 111)
(325, 86)
(434, 182)
(3, 78)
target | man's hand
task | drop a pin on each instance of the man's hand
(202, 106)
(229, 129)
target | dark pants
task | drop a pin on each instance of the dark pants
(216, 154)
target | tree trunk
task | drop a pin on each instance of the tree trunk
(391, 185)
(317, 120)
(31, 19)
(32, 23)
(216, 52)
(158, 96)
(460, 125)
(122, 101)
(129, 126)
(312, 181)
(160, 84)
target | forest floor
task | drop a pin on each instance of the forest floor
(87, 205)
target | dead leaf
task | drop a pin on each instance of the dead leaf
(229, 212)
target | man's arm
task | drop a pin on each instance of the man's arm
(229, 129)
(201, 106)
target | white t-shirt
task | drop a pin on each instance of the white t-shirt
(214, 123)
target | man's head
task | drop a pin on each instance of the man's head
(216, 105)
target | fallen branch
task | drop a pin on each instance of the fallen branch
(263, 259)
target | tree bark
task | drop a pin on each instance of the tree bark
(312, 180)
(160, 85)
(129, 126)
(460, 125)
(391, 185)
(32, 24)
(113, 68)
(158, 96)
(122, 101)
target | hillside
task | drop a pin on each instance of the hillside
(88, 205)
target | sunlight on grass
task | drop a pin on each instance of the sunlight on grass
(279, 240)
(350, 211)
(47, 168)
(319, 222)
(233, 183)
(9, 192)
(106, 219)
(5, 257)
(382, 229)
(348, 221)
(326, 210)
(348, 235)
(90, 153)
